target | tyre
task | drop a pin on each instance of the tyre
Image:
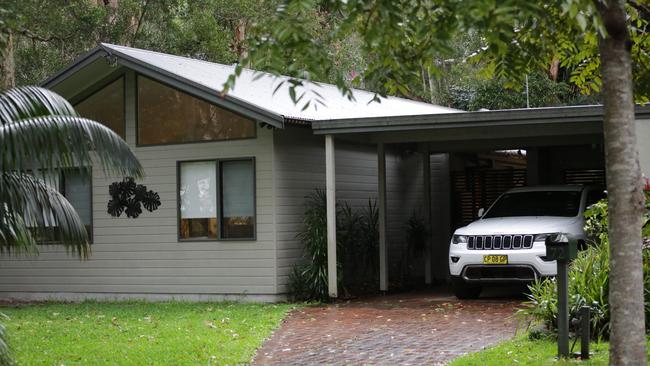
(463, 291)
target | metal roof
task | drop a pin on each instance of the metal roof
(258, 89)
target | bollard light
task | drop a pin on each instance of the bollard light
(562, 249)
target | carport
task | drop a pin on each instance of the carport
(532, 130)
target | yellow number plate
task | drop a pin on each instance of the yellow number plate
(495, 259)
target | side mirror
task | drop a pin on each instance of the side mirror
(481, 211)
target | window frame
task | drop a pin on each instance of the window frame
(166, 84)
(61, 190)
(218, 192)
(89, 178)
(106, 81)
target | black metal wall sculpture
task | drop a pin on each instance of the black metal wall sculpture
(129, 197)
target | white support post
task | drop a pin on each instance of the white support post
(426, 180)
(330, 181)
(383, 247)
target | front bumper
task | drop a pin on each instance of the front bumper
(524, 265)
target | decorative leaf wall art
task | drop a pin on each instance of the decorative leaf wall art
(129, 198)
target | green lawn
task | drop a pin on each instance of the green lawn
(138, 333)
(523, 351)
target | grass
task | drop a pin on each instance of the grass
(138, 333)
(524, 351)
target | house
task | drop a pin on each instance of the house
(233, 171)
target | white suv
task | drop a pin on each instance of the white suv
(506, 245)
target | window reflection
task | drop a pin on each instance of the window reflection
(200, 192)
(168, 116)
(106, 106)
(198, 201)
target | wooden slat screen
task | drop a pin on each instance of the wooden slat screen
(584, 176)
(473, 189)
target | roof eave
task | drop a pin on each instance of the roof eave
(76, 65)
(592, 113)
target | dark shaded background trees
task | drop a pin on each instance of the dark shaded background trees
(38, 38)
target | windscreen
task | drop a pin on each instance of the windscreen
(548, 203)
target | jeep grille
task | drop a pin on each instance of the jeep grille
(490, 242)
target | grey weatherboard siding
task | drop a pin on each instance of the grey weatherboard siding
(300, 168)
(142, 258)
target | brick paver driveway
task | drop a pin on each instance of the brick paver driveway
(412, 329)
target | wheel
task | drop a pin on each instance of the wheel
(464, 291)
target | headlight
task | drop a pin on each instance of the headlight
(542, 237)
(459, 239)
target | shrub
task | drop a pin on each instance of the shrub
(357, 247)
(309, 281)
(588, 285)
(588, 280)
(417, 236)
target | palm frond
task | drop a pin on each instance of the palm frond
(41, 130)
(5, 355)
(15, 234)
(31, 102)
(64, 141)
(33, 210)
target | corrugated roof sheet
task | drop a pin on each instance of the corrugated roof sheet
(257, 88)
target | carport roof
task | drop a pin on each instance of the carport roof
(501, 129)
(508, 117)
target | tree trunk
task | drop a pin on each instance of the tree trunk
(7, 62)
(624, 186)
(239, 42)
(554, 69)
(433, 89)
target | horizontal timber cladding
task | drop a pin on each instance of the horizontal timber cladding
(143, 256)
(300, 169)
(585, 176)
(440, 212)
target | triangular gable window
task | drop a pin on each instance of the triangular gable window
(169, 116)
(106, 106)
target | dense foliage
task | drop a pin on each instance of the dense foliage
(588, 279)
(357, 248)
(433, 50)
(48, 36)
(224, 31)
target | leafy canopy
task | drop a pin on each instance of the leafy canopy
(400, 38)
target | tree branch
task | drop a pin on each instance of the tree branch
(140, 20)
(641, 8)
(29, 34)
